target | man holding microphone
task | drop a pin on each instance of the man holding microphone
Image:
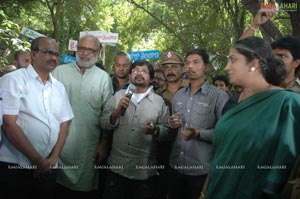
(132, 161)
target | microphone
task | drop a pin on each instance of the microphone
(131, 90)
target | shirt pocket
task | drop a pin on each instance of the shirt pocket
(179, 107)
(202, 108)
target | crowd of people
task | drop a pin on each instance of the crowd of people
(153, 130)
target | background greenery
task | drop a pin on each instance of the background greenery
(177, 25)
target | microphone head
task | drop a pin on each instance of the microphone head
(131, 88)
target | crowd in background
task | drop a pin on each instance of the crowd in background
(153, 130)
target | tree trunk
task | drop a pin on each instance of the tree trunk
(55, 9)
(295, 20)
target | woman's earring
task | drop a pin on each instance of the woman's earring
(253, 69)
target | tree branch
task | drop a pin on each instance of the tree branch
(160, 20)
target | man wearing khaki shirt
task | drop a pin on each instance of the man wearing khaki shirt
(132, 161)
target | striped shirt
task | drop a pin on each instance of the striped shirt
(201, 111)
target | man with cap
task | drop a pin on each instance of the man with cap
(173, 66)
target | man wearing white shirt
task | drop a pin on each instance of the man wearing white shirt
(36, 116)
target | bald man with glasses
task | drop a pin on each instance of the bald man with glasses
(36, 117)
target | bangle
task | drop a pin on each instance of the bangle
(252, 28)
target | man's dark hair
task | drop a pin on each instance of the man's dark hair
(36, 42)
(223, 78)
(201, 52)
(291, 44)
(142, 63)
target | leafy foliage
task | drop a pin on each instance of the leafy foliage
(9, 39)
(141, 24)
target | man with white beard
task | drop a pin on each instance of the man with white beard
(88, 88)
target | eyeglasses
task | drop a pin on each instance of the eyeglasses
(194, 62)
(89, 50)
(49, 52)
(135, 71)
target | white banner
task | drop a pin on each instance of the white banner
(31, 33)
(103, 36)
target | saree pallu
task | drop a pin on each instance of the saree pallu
(255, 145)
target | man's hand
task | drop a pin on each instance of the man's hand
(52, 160)
(43, 165)
(189, 132)
(100, 153)
(124, 102)
(151, 129)
(175, 121)
(43, 168)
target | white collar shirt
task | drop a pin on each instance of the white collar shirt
(41, 108)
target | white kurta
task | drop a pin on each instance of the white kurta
(88, 94)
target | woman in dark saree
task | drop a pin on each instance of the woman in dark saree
(257, 139)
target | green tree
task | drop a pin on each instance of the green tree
(9, 39)
(148, 24)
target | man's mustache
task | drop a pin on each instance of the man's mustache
(170, 74)
(190, 71)
(52, 61)
(139, 77)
